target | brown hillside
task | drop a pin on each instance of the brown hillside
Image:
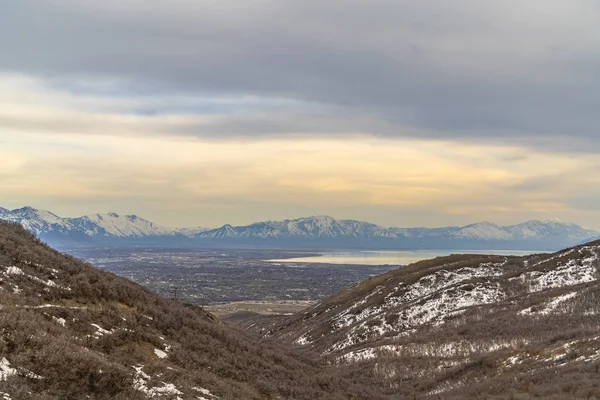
(70, 331)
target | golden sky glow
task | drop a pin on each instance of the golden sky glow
(195, 113)
(169, 179)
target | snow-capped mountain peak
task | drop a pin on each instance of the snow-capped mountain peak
(33, 213)
(549, 228)
(50, 226)
(482, 231)
(531, 234)
(552, 220)
(124, 226)
(307, 228)
(38, 221)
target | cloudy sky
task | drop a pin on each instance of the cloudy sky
(204, 112)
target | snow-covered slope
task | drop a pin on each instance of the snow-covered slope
(551, 228)
(38, 221)
(92, 229)
(115, 225)
(482, 231)
(464, 327)
(433, 293)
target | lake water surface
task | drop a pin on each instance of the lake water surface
(395, 257)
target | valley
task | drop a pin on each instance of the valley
(218, 276)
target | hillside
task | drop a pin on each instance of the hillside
(70, 331)
(310, 232)
(466, 326)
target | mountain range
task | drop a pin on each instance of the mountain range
(313, 232)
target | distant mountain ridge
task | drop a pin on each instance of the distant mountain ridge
(549, 234)
(314, 231)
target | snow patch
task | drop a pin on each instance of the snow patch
(6, 370)
(18, 271)
(510, 361)
(448, 350)
(160, 354)
(550, 306)
(574, 272)
(303, 340)
(140, 383)
(56, 306)
(101, 331)
(14, 271)
(434, 308)
(205, 392)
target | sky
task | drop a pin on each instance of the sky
(206, 112)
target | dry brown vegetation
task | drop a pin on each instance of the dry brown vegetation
(74, 361)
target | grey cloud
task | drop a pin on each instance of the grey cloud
(469, 69)
(565, 187)
(585, 203)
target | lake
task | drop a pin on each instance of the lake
(403, 257)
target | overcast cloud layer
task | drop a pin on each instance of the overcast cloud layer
(520, 77)
(466, 68)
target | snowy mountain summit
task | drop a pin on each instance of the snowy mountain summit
(91, 229)
(315, 227)
(38, 221)
(331, 232)
(113, 224)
